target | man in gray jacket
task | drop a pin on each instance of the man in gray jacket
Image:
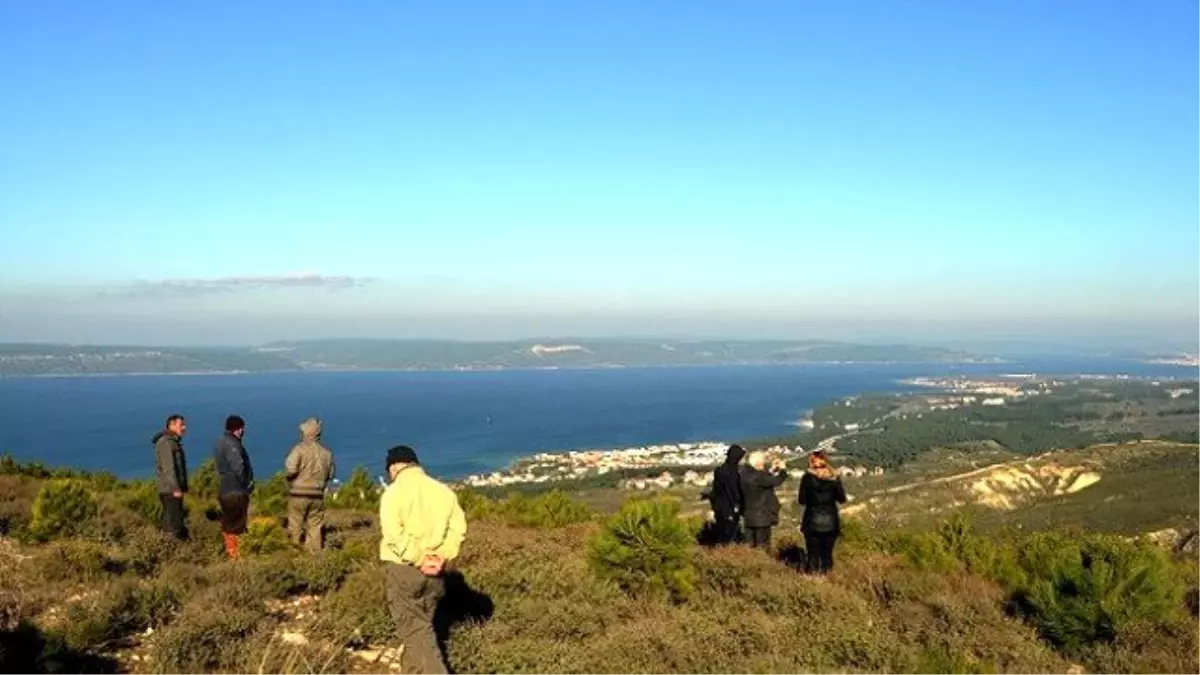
(170, 470)
(308, 470)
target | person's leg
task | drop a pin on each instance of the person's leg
(830, 542)
(295, 517)
(726, 526)
(316, 525)
(174, 518)
(412, 598)
(812, 552)
(760, 537)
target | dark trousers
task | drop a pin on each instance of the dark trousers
(726, 527)
(174, 518)
(820, 551)
(760, 537)
(413, 599)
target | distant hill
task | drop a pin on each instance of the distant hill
(34, 359)
(1127, 488)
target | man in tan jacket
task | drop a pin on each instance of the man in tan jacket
(309, 469)
(423, 528)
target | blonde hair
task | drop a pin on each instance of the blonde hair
(757, 459)
(818, 463)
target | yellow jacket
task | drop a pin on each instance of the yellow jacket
(419, 516)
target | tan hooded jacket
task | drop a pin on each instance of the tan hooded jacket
(309, 467)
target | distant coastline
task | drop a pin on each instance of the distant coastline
(496, 369)
(422, 356)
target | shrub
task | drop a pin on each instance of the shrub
(124, 608)
(270, 498)
(356, 613)
(207, 637)
(551, 509)
(75, 560)
(360, 493)
(645, 549)
(475, 505)
(264, 535)
(62, 508)
(205, 482)
(142, 498)
(16, 503)
(1086, 590)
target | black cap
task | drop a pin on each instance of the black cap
(401, 454)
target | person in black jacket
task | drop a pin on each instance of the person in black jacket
(760, 505)
(237, 482)
(821, 491)
(726, 495)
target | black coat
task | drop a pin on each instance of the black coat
(233, 465)
(758, 496)
(820, 498)
(726, 496)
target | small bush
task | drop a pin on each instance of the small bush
(360, 493)
(476, 506)
(263, 536)
(551, 509)
(62, 508)
(645, 548)
(142, 498)
(126, 607)
(356, 613)
(205, 482)
(75, 561)
(208, 637)
(270, 498)
(1082, 591)
(16, 503)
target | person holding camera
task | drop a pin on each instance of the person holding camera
(758, 496)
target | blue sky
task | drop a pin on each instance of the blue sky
(232, 172)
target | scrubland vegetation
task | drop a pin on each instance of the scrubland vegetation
(548, 584)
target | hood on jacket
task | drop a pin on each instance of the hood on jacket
(159, 435)
(310, 429)
(734, 454)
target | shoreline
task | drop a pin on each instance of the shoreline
(488, 369)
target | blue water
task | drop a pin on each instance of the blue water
(459, 422)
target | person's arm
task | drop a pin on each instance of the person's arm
(249, 469)
(332, 469)
(776, 479)
(456, 531)
(391, 524)
(735, 493)
(232, 455)
(166, 465)
(840, 495)
(803, 495)
(291, 466)
(181, 477)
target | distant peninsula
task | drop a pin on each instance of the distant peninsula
(356, 354)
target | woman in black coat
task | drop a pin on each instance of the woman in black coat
(821, 491)
(726, 495)
(758, 495)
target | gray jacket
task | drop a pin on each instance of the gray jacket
(309, 467)
(233, 466)
(170, 465)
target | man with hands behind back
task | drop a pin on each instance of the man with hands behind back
(423, 528)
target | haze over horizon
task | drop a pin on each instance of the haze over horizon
(996, 173)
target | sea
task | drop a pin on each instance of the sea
(460, 422)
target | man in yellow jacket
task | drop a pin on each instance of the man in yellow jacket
(423, 528)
